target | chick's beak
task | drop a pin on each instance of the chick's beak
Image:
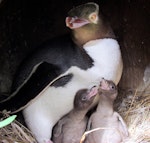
(92, 92)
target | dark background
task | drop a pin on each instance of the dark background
(24, 24)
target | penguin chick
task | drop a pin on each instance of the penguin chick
(87, 23)
(71, 127)
(113, 128)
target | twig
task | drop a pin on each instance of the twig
(93, 130)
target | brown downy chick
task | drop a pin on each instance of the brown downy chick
(112, 127)
(71, 127)
(87, 23)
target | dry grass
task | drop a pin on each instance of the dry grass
(137, 116)
(134, 108)
(16, 133)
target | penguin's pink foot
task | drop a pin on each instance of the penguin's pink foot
(49, 141)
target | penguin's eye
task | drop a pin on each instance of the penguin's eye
(112, 87)
(83, 98)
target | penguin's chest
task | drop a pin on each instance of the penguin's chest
(57, 101)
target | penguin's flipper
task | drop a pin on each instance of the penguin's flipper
(58, 129)
(41, 77)
(122, 125)
(89, 125)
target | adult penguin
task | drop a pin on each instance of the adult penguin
(77, 62)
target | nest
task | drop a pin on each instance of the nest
(134, 108)
(16, 133)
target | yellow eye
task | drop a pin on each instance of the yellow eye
(93, 17)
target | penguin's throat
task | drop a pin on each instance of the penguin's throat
(82, 35)
(78, 114)
(105, 107)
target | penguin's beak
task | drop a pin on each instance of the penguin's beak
(104, 84)
(76, 22)
(92, 92)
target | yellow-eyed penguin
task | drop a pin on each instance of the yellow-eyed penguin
(81, 66)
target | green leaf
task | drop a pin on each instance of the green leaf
(7, 121)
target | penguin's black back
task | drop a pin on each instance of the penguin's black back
(54, 57)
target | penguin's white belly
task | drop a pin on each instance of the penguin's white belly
(48, 108)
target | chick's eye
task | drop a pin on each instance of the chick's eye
(83, 98)
(112, 87)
